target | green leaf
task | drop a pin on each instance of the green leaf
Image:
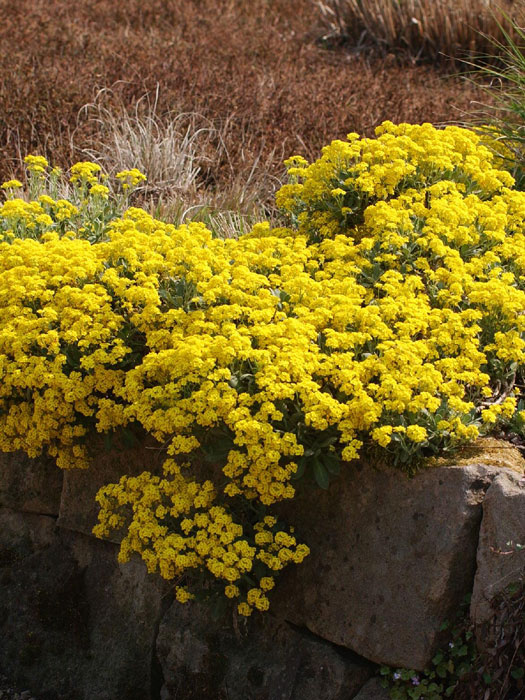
(438, 658)
(108, 441)
(463, 668)
(128, 438)
(332, 463)
(329, 441)
(518, 673)
(441, 670)
(487, 678)
(321, 476)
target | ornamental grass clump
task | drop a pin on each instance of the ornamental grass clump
(388, 317)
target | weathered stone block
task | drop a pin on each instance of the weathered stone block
(373, 690)
(32, 485)
(76, 625)
(391, 558)
(24, 533)
(267, 660)
(125, 605)
(499, 561)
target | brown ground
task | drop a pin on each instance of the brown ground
(255, 65)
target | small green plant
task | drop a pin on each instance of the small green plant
(458, 670)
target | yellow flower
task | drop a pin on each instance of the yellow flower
(182, 594)
(416, 433)
(382, 435)
(244, 609)
(267, 583)
(99, 191)
(231, 591)
(130, 178)
(85, 172)
(11, 185)
(36, 164)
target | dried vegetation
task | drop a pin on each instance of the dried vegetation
(232, 89)
(445, 31)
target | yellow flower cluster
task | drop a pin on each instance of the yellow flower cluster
(85, 173)
(176, 526)
(130, 178)
(36, 164)
(59, 347)
(330, 196)
(11, 185)
(78, 207)
(391, 314)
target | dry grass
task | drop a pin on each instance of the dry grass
(232, 83)
(429, 30)
(182, 153)
(174, 148)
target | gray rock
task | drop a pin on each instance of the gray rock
(266, 660)
(32, 485)
(76, 625)
(44, 621)
(373, 690)
(499, 561)
(23, 533)
(391, 558)
(125, 604)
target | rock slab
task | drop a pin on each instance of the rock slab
(391, 558)
(501, 549)
(373, 690)
(78, 507)
(267, 659)
(30, 485)
(74, 624)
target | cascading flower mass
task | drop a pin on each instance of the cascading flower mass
(389, 313)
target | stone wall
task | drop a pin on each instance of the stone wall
(391, 558)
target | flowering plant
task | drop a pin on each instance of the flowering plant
(389, 315)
